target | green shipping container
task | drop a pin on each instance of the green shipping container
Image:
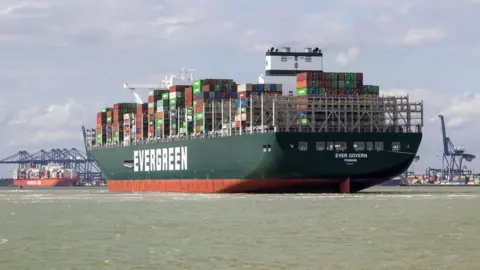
(341, 84)
(109, 119)
(353, 77)
(334, 76)
(302, 92)
(165, 96)
(162, 103)
(151, 105)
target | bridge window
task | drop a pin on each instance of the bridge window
(308, 59)
(330, 146)
(340, 146)
(320, 146)
(369, 146)
(359, 146)
(284, 59)
(395, 146)
(302, 146)
(379, 146)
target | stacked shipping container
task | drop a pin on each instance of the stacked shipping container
(244, 114)
(119, 110)
(102, 126)
(210, 89)
(185, 109)
(333, 84)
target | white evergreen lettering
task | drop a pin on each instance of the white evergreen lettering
(135, 161)
(152, 160)
(141, 160)
(184, 158)
(147, 160)
(171, 159)
(161, 159)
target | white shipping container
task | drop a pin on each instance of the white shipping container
(244, 87)
(241, 117)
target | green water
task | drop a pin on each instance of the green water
(383, 228)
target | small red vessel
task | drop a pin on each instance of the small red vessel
(45, 176)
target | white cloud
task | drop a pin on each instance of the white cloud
(54, 124)
(343, 59)
(419, 36)
(23, 10)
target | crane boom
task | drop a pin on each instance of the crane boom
(166, 83)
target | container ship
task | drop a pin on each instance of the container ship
(298, 130)
(44, 176)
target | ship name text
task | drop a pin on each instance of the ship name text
(350, 158)
(351, 155)
(160, 159)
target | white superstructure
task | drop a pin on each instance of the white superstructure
(282, 66)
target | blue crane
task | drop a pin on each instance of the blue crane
(83, 163)
(69, 158)
(453, 156)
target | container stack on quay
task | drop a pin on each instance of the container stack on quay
(421, 179)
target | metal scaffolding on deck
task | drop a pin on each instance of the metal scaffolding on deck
(273, 113)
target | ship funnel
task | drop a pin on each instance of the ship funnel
(286, 49)
(308, 50)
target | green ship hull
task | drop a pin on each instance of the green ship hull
(262, 162)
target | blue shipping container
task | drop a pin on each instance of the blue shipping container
(273, 87)
(316, 91)
(260, 87)
(158, 133)
(218, 95)
(241, 102)
(138, 131)
(234, 95)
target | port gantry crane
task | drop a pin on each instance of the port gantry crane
(453, 156)
(186, 76)
(69, 158)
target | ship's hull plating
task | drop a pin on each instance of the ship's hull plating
(50, 182)
(268, 162)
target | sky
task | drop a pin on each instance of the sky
(62, 61)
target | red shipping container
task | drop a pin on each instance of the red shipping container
(244, 94)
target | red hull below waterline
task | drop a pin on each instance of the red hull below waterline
(231, 185)
(49, 182)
